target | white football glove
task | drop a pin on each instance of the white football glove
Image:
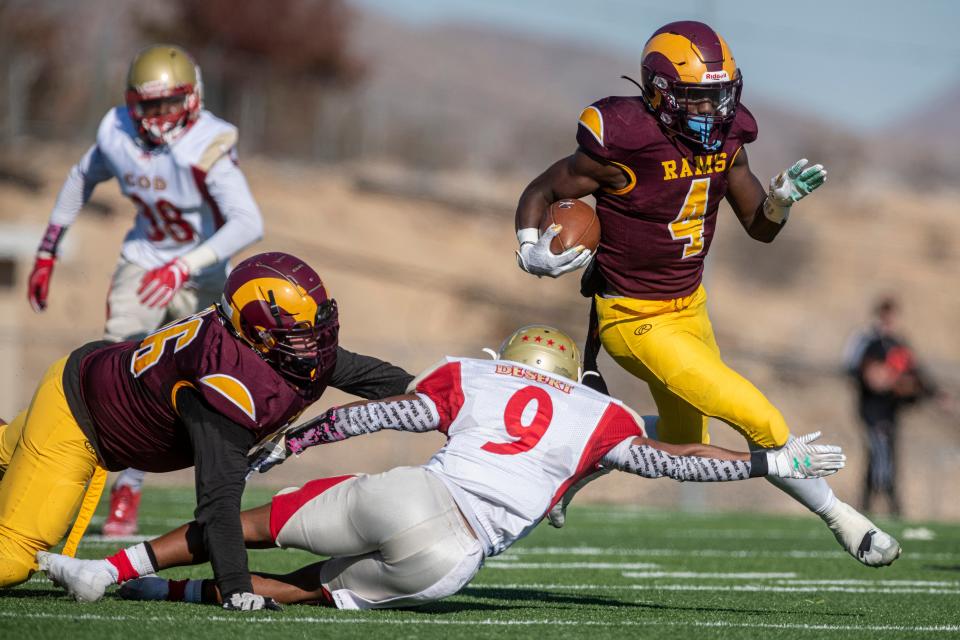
(250, 602)
(799, 459)
(536, 257)
(790, 186)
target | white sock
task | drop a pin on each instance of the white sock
(132, 562)
(140, 559)
(813, 493)
(132, 478)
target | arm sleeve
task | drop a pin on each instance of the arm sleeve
(651, 462)
(78, 187)
(220, 458)
(368, 377)
(417, 414)
(243, 225)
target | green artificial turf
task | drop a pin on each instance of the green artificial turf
(611, 573)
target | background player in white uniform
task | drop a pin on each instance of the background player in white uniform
(177, 164)
(520, 433)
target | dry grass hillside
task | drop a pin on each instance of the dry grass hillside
(419, 278)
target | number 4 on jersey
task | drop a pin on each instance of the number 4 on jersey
(688, 225)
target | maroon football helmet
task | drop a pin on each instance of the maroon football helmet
(691, 82)
(278, 304)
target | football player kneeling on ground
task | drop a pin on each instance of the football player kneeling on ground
(520, 430)
(199, 392)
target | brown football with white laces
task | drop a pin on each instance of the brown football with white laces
(580, 225)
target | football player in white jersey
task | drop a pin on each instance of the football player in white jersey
(177, 163)
(520, 431)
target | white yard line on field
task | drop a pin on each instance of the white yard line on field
(497, 564)
(95, 538)
(882, 583)
(711, 576)
(705, 553)
(374, 620)
(722, 587)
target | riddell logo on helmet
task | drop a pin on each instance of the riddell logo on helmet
(714, 76)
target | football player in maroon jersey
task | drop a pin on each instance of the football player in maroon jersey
(199, 392)
(658, 165)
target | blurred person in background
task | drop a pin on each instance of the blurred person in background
(658, 165)
(177, 163)
(888, 378)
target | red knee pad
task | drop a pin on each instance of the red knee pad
(283, 506)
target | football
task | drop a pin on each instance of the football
(580, 225)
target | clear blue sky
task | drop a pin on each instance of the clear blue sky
(857, 62)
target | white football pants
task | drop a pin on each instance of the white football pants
(396, 539)
(127, 319)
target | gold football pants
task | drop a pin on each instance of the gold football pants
(46, 463)
(669, 344)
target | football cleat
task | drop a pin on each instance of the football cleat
(85, 580)
(861, 538)
(124, 506)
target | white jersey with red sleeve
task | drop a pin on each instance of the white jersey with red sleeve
(517, 439)
(184, 192)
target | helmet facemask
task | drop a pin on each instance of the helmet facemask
(161, 120)
(302, 351)
(678, 107)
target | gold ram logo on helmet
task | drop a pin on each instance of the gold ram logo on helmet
(543, 347)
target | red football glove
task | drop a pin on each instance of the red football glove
(39, 284)
(159, 285)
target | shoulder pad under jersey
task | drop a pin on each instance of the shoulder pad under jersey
(442, 384)
(218, 366)
(208, 140)
(115, 122)
(744, 125)
(612, 127)
(412, 387)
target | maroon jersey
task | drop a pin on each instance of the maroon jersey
(129, 392)
(656, 231)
